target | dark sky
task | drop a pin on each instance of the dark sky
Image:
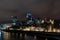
(44, 8)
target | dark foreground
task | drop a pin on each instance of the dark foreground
(13, 36)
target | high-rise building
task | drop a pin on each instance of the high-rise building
(15, 22)
(29, 15)
(30, 18)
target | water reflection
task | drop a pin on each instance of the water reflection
(1, 35)
(15, 36)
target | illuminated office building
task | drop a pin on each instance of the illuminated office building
(15, 22)
(30, 18)
(29, 15)
(38, 21)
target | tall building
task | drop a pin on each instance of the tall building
(29, 15)
(15, 22)
(37, 20)
(30, 18)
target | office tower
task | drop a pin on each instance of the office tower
(30, 18)
(15, 22)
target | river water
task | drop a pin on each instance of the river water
(9, 36)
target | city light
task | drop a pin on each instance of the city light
(34, 24)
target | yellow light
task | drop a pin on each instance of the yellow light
(26, 29)
(50, 29)
(58, 30)
(54, 30)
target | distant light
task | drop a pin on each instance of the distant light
(12, 16)
(0, 33)
(52, 21)
(58, 30)
(11, 29)
(42, 21)
(26, 29)
(54, 30)
(14, 23)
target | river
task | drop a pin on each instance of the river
(9, 36)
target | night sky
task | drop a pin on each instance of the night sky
(39, 8)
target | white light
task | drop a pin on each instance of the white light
(52, 21)
(42, 21)
(11, 29)
(14, 23)
(0, 33)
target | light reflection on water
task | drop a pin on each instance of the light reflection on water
(1, 35)
(8, 36)
(13, 36)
